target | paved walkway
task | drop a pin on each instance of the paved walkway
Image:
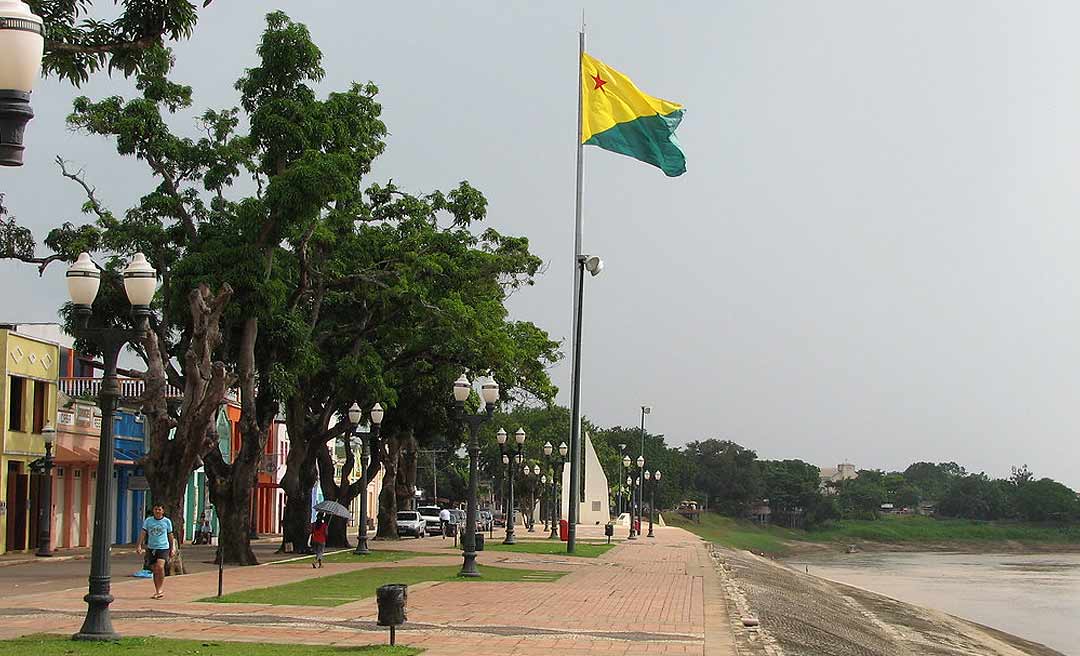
(650, 596)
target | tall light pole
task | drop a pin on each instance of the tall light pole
(594, 265)
(511, 456)
(44, 547)
(22, 42)
(489, 393)
(355, 414)
(140, 281)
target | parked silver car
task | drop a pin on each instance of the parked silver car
(410, 522)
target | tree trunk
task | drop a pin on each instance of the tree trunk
(231, 484)
(233, 504)
(337, 529)
(172, 457)
(405, 489)
(388, 507)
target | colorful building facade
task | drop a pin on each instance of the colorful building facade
(28, 400)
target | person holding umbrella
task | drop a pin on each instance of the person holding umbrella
(318, 539)
(325, 510)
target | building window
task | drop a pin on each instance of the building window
(41, 392)
(15, 403)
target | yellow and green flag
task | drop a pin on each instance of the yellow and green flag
(618, 117)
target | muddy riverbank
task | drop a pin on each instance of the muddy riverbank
(803, 615)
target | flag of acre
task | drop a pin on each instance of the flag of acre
(618, 117)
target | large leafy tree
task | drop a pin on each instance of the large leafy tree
(727, 472)
(306, 156)
(80, 40)
(418, 302)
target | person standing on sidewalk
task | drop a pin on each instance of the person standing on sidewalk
(157, 538)
(318, 539)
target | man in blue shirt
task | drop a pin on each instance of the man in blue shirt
(157, 537)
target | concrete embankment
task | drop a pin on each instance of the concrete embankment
(803, 615)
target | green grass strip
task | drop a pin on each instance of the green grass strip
(338, 589)
(347, 556)
(53, 645)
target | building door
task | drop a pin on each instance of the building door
(63, 511)
(76, 509)
(18, 487)
(37, 483)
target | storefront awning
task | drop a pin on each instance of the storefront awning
(68, 455)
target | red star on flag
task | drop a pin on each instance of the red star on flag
(599, 82)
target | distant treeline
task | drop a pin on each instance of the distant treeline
(729, 478)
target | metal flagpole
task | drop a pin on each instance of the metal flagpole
(574, 493)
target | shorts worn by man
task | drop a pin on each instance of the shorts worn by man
(157, 537)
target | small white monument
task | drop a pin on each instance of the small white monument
(595, 508)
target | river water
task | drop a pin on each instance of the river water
(1036, 597)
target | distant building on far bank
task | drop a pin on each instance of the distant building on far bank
(832, 476)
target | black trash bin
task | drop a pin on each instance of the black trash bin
(478, 538)
(392, 600)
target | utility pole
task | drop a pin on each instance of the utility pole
(434, 472)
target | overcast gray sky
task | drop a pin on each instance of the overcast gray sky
(873, 256)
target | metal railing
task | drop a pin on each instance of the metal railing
(130, 388)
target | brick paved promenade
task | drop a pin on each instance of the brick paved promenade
(658, 596)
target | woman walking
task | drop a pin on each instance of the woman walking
(318, 539)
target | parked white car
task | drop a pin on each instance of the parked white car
(409, 522)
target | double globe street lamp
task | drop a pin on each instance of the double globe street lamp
(376, 415)
(535, 471)
(640, 492)
(489, 393)
(512, 454)
(22, 43)
(652, 497)
(140, 282)
(556, 467)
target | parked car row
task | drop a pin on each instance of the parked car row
(485, 521)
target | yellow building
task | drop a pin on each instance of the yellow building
(28, 401)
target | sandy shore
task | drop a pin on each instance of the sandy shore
(803, 615)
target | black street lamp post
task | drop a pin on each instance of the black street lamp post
(556, 465)
(512, 454)
(489, 393)
(629, 495)
(532, 498)
(639, 491)
(652, 498)
(44, 548)
(140, 281)
(623, 460)
(355, 415)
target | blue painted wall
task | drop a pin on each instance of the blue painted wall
(130, 444)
